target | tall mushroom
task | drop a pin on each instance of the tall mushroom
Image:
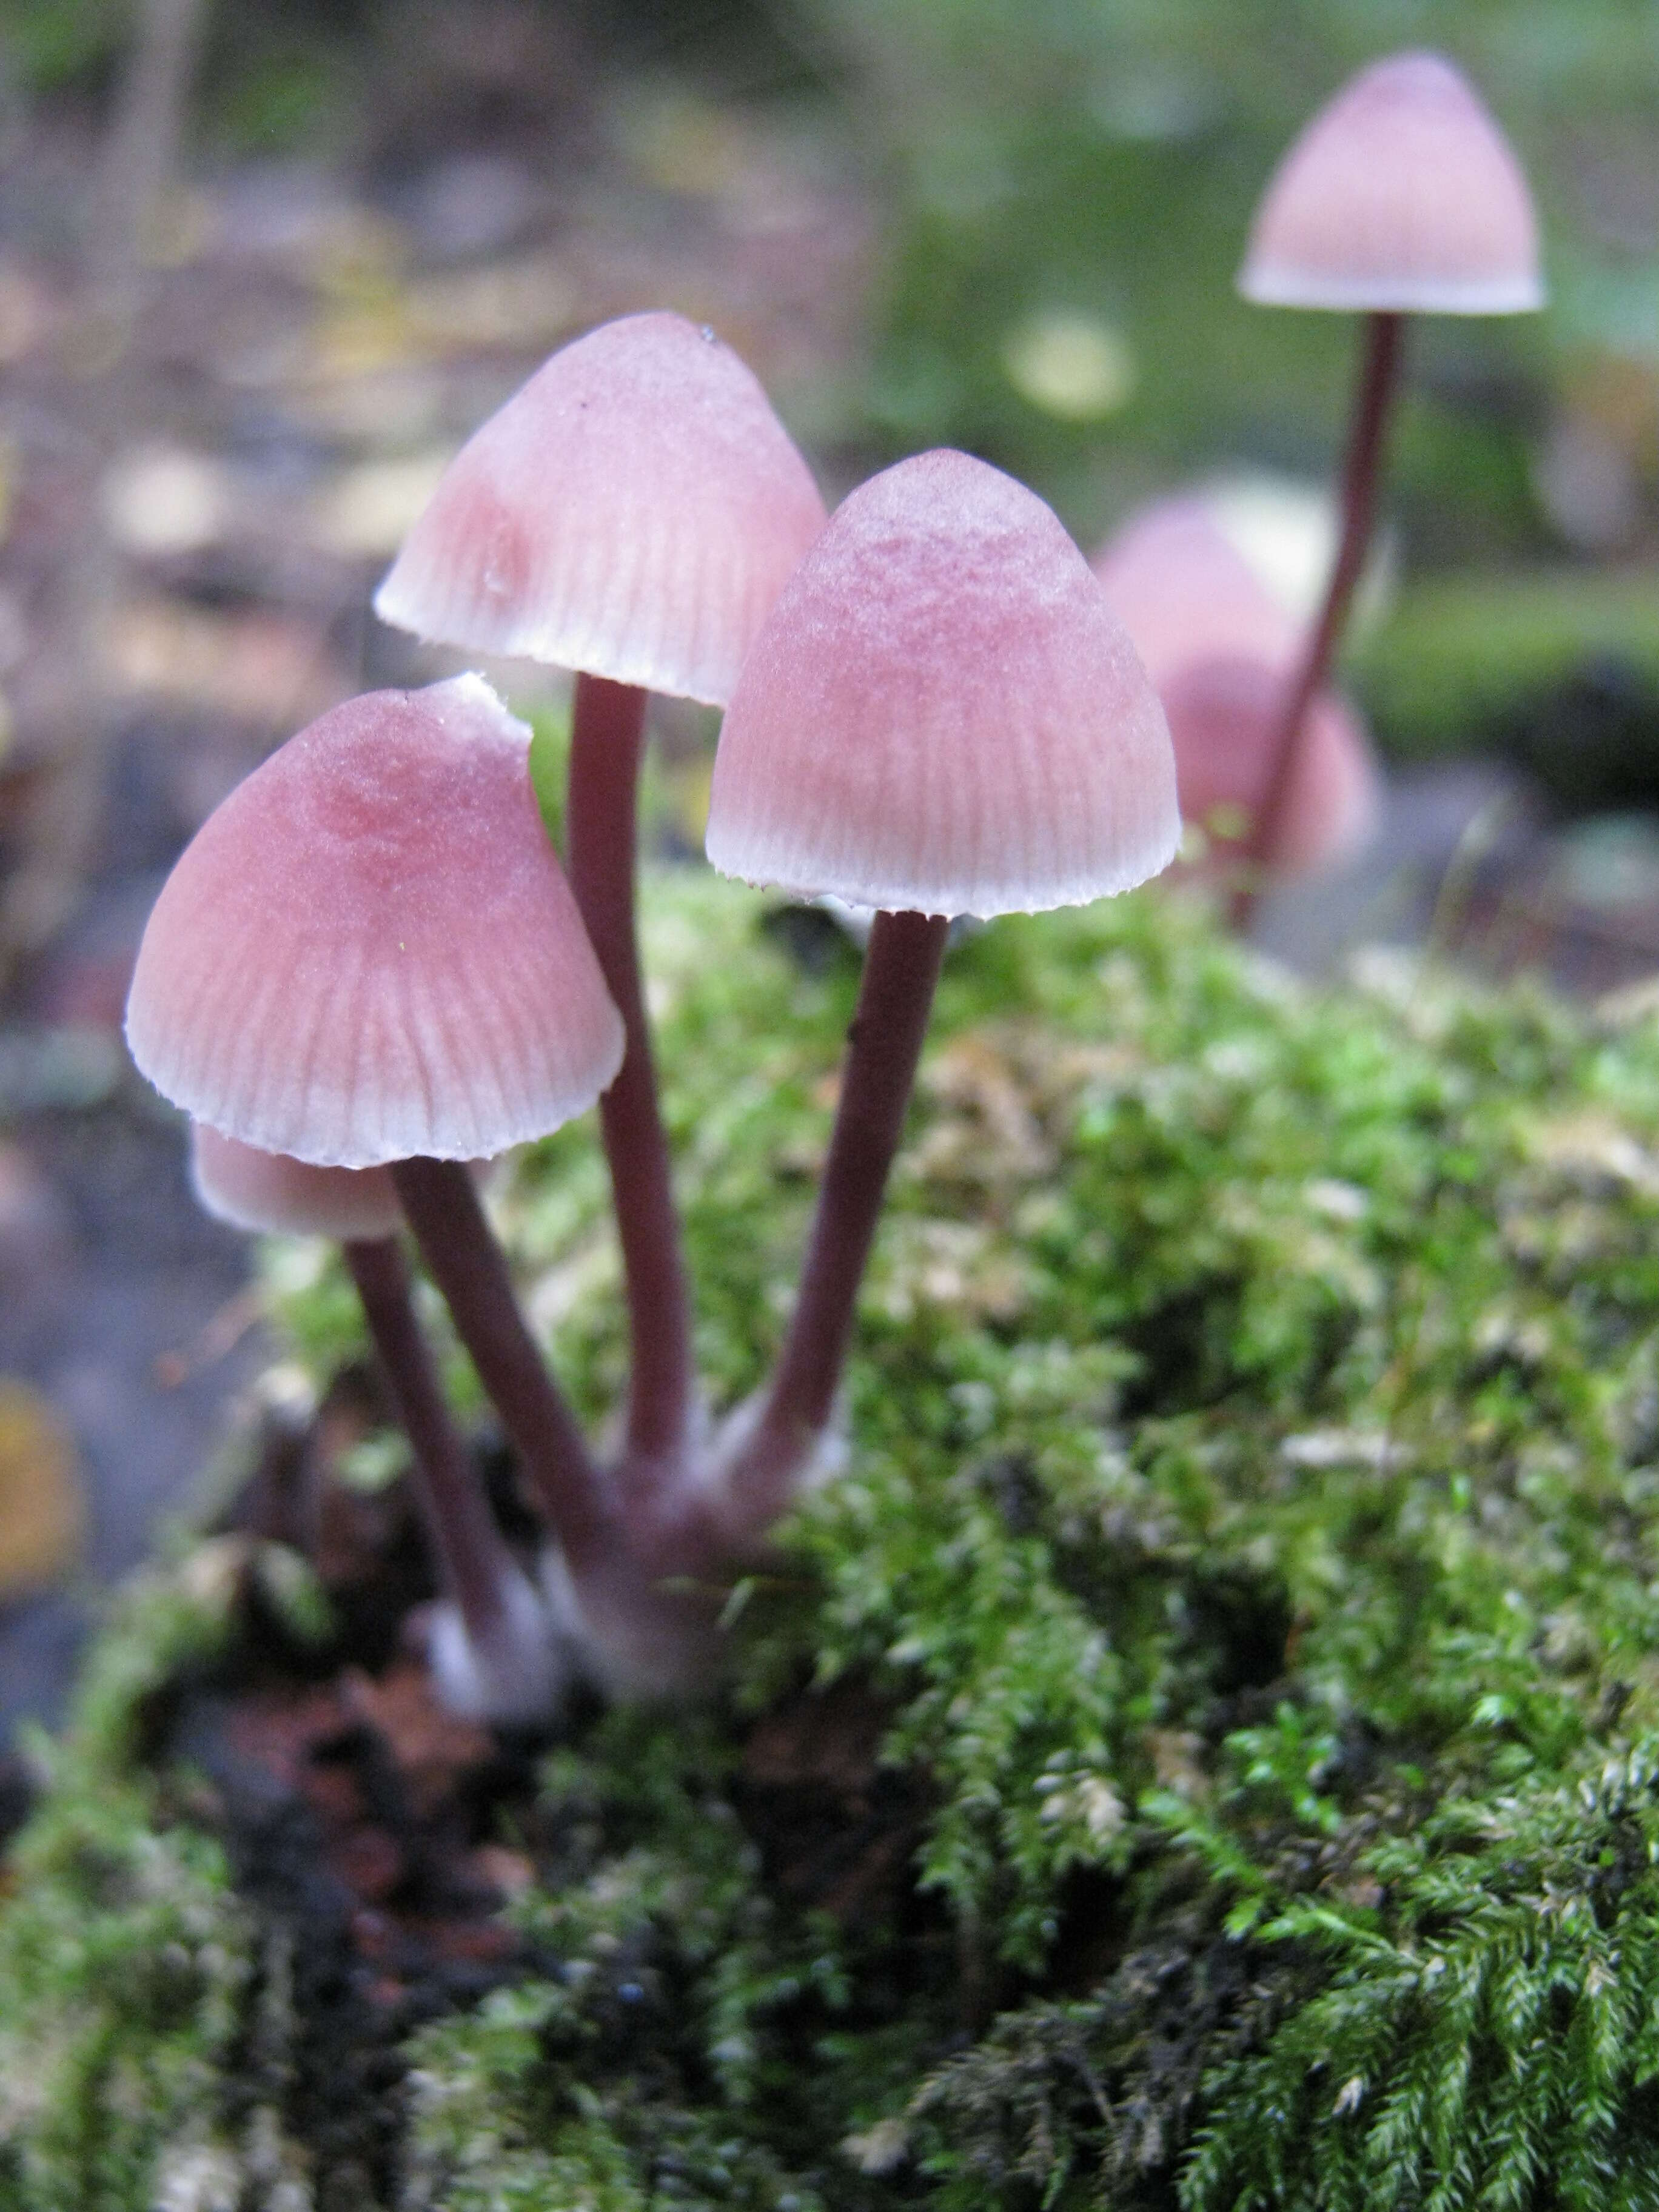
(491, 1644)
(941, 716)
(367, 956)
(1218, 647)
(1400, 198)
(631, 514)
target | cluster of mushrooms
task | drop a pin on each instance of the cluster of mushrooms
(369, 972)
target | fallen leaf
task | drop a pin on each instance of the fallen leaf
(42, 1504)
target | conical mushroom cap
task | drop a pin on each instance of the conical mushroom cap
(1180, 587)
(369, 951)
(268, 1193)
(632, 511)
(1402, 196)
(1224, 719)
(943, 714)
(1221, 650)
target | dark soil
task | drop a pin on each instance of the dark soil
(379, 1837)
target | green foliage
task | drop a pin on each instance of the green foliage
(165, 1621)
(1251, 1444)
(681, 2050)
(123, 1964)
(1463, 654)
(124, 1958)
(1487, 2033)
(1429, 2005)
(1241, 1574)
(51, 43)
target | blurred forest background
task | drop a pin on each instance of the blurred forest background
(265, 263)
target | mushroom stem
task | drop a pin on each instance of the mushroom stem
(473, 1562)
(467, 1263)
(1378, 376)
(882, 1047)
(606, 741)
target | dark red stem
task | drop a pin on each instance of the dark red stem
(465, 1261)
(607, 733)
(473, 1561)
(1378, 376)
(882, 1047)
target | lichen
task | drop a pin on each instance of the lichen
(1201, 1746)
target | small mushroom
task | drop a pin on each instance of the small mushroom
(631, 513)
(1218, 647)
(941, 716)
(1400, 197)
(491, 1641)
(368, 951)
(273, 1196)
(367, 956)
(1222, 712)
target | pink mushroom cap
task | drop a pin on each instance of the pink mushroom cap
(632, 511)
(1402, 196)
(1221, 650)
(1179, 586)
(1224, 720)
(269, 1194)
(368, 951)
(943, 714)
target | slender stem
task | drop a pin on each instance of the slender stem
(1378, 376)
(473, 1561)
(456, 1242)
(882, 1047)
(606, 740)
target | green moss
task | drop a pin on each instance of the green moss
(1456, 651)
(1244, 1574)
(1495, 661)
(1483, 2030)
(124, 1957)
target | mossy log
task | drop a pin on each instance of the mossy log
(1200, 1750)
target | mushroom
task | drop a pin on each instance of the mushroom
(367, 956)
(1218, 645)
(1222, 713)
(491, 1641)
(941, 716)
(272, 1195)
(631, 513)
(1400, 197)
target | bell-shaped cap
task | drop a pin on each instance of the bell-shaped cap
(272, 1194)
(368, 951)
(1221, 651)
(1401, 196)
(1179, 586)
(943, 714)
(1225, 719)
(632, 511)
